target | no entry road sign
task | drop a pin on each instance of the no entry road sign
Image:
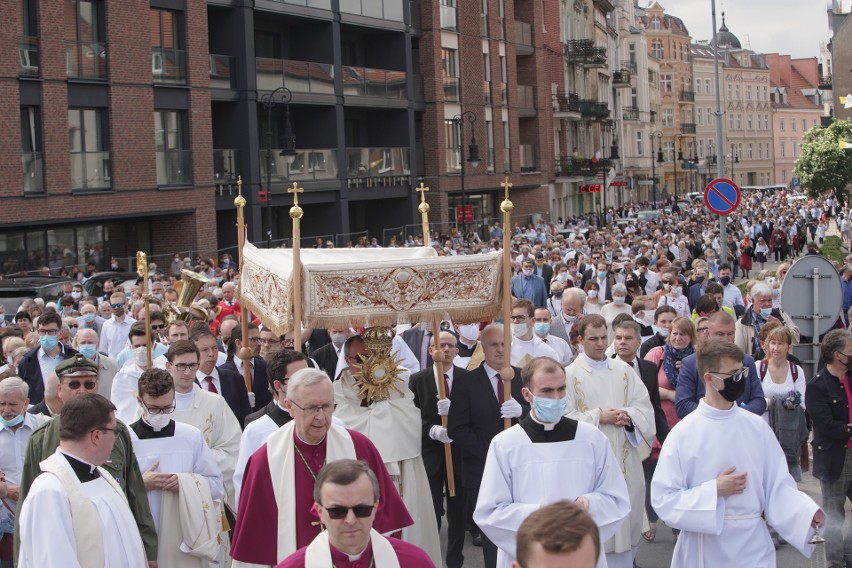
(722, 196)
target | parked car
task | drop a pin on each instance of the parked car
(13, 291)
(94, 286)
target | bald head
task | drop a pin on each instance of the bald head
(226, 328)
(87, 337)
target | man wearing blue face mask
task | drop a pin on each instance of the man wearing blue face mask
(41, 361)
(748, 327)
(545, 458)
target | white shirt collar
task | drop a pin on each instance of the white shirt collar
(30, 422)
(448, 370)
(201, 376)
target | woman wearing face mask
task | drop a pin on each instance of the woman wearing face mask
(562, 276)
(593, 303)
(674, 295)
(618, 305)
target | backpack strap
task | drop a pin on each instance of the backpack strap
(762, 368)
(794, 370)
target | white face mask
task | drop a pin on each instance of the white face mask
(140, 357)
(469, 332)
(592, 294)
(156, 421)
(527, 271)
(520, 329)
(338, 339)
(562, 277)
(618, 300)
(676, 291)
(663, 332)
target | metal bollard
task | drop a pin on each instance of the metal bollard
(817, 559)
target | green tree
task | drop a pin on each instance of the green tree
(823, 165)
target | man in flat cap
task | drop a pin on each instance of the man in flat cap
(79, 375)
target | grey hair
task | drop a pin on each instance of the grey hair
(51, 386)
(619, 289)
(761, 289)
(306, 378)
(18, 352)
(581, 295)
(13, 384)
(834, 342)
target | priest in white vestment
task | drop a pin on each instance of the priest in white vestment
(123, 392)
(545, 458)
(75, 514)
(182, 479)
(207, 411)
(526, 345)
(722, 477)
(394, 426)
(608, 394)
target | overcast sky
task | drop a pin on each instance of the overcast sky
(794, 27)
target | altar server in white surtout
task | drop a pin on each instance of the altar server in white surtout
(610, 395)
(545, 458)
(75, 514)
(722, 477)
(183, 482)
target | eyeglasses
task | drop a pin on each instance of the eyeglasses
(361, 511)
(518, 318)
(114, 306)
(183, 367)
(272, 341)
(326, 408)
(88, 385)
(160, 409)
(105, 429)
(48, 332)
(737, 376)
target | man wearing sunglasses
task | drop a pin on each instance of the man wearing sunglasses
(77, 376)
(180, 474)
(722, 477)
(114, 331)
(346, 496)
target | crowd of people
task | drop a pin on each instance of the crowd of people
(646, 387)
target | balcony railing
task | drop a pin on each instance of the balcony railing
(28, 56)
(298, 76)
(309, 165)
(367, 82)
(221, 72)
(174, 167)
(90, 170)
(584, 51)
(687, 127)
(381, 9)
(594, 109)
(33, 173)
(523, 34)
(526, 96)
(225, 164)
(168, 65)
(687, 96)
(448, 18)
(451, 89)
(630, 113)
(825, 82)
(528, 158)
(566, 102)
(372, 167)
(86, 60)
(323, 4)
(569, 166)
(621, 78)
(629, 66)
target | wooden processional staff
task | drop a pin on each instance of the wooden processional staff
(506, 373)
(437, 354)
(246, 351)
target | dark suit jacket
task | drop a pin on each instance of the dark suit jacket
(414, 339)
(546, 274)
(694, 293)
(648, 374)
(40, 408)
(259, 386)
(30, 371)
(475, 419)
(828, 407)
(326, 357)
(422, 384)
(260, 413)
(234, 392)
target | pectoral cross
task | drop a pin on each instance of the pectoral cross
(295, 190)
(422, 189)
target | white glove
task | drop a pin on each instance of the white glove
(439, 434)
(510, 409)
(443, 406)
(251, 399)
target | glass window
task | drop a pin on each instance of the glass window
(782, 125)
(36, 249)
(453, 136)
(168, 57)
(507, 148)
(669, 151)
(31, 154)
(90, 244)
(668, 117)
(640, 147)
(61, 248)
(13, 253)
(85, 39)
(87, 139)
(783, 149)
(793, 124)
(657, 49)
(173, 154)
(666, 83)
(655, 23)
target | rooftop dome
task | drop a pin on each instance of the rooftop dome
(725, 38)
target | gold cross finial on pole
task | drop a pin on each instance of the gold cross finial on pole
(506, 184)
(422, 189)
(295, 190)
(506, 207)
(240, 201)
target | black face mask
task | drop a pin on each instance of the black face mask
(733, 389)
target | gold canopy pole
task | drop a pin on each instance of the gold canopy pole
(296, 214)
(437, 354)
(245, 352)
(142, 269)
(506, 373)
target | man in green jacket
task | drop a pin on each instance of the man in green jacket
(79, 375)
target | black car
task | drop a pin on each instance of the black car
(13, 291)
(94, 286)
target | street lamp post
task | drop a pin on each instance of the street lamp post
(289, 152)
(658, 159)
(473, 156)
(679, 157)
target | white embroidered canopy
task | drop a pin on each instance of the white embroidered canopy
(370, 286)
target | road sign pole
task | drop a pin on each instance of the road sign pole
(720, 165)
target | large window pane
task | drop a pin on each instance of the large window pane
(90, 160)
(174, 160)
(90, 244)
(36, 250)
(61, 248)
(13, 253)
